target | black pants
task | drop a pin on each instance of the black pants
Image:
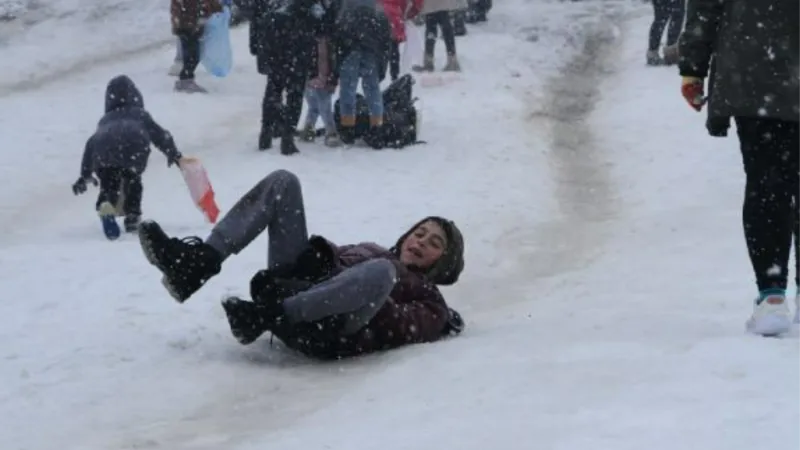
(275, 115)
(190, 48)
(433, 21)
(394, 60)
(772, 166)
(113, 182)
(666, 11)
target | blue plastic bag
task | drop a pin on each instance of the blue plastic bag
(215, 48)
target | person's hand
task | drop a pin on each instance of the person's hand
(79, 187)
(317, 83)
(693, 91)
(186, 160)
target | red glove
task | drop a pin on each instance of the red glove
(693, 91)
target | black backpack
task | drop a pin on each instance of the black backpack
(400, 117)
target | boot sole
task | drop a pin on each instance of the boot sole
(228, 303)
(149, 254)
(108, 219)
(770, 326)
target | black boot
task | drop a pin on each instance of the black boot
(265, 138)
(186, 263)
(248, 320)
(288, 146)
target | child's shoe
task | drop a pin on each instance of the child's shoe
(308, 134)
(108, 218)
(332, 140)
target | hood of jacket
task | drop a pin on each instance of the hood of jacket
(122, 92)
(450, 265)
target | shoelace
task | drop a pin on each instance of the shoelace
(192, 240)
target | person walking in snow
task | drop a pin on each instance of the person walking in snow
(398, 11)
(188, 19)
(364, 39)
(282, 38)
(665, 12)
(324, 300)
(754, 79)
(437, 15)
(117, 153)
(177, 65)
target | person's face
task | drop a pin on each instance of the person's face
(424, 246)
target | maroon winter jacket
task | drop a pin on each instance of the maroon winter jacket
(415, 311)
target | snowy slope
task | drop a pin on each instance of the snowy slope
(96, 355)
(46, 40)
(586, 229)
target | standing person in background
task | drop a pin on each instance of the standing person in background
(319, 91)
(282, 38)
(364, 38)
(437, 15)
(177, 64)
(398, 11)
(756, 52)
(665, 12)
(188, 18)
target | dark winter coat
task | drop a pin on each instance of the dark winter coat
(756, 45)
(363, 27)
(124, 134)
(283, 33)
(415, 311)
(189, 15)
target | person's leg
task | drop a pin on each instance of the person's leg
(368, 72)
(190, 43)
(271, 110)
(339, 306)
(355, 295)
(677, 11)
(325, 103)
(110, 181)
(448, 34)
(348, 83)
(274, 204)
(313, 113)
(394, 61)
(431, 33)
(661, 11)
(132, 191)
(295, 86)
(769, 152)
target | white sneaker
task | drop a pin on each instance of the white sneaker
(175, 68)
(797, 309)
(771, 316)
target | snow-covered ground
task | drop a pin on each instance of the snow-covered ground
(606, 284)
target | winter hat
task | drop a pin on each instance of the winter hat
(449, 266)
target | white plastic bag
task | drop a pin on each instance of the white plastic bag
(413, 49)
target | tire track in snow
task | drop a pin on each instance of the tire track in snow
(585, 193)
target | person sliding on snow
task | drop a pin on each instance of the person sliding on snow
(324, 300)
(117, 153)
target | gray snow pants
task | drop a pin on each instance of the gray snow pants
(275, 204)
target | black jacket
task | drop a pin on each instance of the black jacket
(756, 48)
(283, 34)
(124, 134)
